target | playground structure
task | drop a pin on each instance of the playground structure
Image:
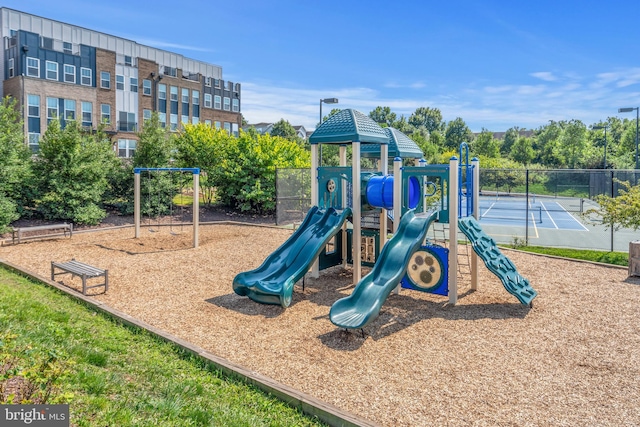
(412, 199)
(196, 196)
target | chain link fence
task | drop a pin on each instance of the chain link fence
(552, 208)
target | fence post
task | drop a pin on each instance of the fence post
(526, 217)
(611, 227)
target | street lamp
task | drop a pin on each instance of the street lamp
(326, 101)
(628, 110)
(605, 127)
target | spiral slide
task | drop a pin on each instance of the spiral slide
(363, 305)
(272, 282)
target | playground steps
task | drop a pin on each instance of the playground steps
(496, 261)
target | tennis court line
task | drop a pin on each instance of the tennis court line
(572, 217)
(549, 215)
(535, 227)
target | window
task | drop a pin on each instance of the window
(105, 114)
(174, 93)
(195, 120)
(174, 122)
(207, 100)
(119, 82)
(227, 127)
(170, 71)
(86, 77)
(69, 73)
(127, 121)
(185, 119)
(146, 87)
(126, 147)
(105, 79)
(207, 122)
(34, 141)
(162, 91)
(217, 102)
(52, 70)
(236, 105)
(217, 125)
(146, 115)
(128, 61)
(52, 109)
(33, 102)
(162, 118)
(227, 103)
(195, 95)
(67, 47)
(87, 114)
(217, 82)
(185, 95)
(33, 67)
(234, 129)
(47, 43)
(207, 81)
(133, 84)
(69, 109)
(12, 69)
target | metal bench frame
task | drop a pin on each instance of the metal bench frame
(82, 270)
(18, 231)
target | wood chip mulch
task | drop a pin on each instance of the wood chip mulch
(574, 359)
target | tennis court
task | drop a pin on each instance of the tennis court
(539, 212)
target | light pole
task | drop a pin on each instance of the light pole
(326, 101)
(628, 110)
(605, 127)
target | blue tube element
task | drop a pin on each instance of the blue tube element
(380, 192)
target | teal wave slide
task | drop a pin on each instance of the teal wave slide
(364, 304)
(497, 262)
(273, 281)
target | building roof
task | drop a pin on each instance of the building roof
(400, 145)
(348, 126)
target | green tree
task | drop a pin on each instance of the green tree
(15, 164)
(522, 150)
(486, 145)
(574, 143)
(155, 145)
(285, 130)
(249, 167)
(383, 116)
(204, 147)
(456, 133)
(71, 170)
(429, 118)
(547, 145)
(510, 138)
(618, 212)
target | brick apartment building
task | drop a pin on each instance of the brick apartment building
(59, 70)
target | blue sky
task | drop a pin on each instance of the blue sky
(496, 64)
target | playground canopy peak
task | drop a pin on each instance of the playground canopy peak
(400, 145)
(348, 126)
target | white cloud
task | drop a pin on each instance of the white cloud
(547, 76)
(495, 107)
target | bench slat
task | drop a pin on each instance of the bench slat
(85, 271)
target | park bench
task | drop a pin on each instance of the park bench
(18, 232)
(82, 270)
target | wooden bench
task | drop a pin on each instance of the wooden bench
(82, 270)
(19, 231)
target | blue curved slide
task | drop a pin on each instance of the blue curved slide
(364, 304)
(272, 282)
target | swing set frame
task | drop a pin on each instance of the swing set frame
(196, 197)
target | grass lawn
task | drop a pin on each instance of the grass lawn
(615, 258)
(115, 375)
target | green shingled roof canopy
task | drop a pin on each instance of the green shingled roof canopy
(349, 126)
(400, 145)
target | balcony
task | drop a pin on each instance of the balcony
(127, 126)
